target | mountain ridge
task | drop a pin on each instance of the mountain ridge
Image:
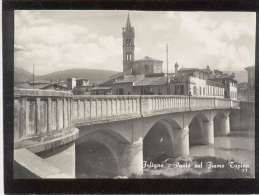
(94, 75)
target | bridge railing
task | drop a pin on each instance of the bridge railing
(222, 103)
(199, 103)
(158, 103)
(167, 103)
(42, 112)
(39, 113)
(235, 104)
(94, 108)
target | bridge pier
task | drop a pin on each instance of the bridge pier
(208, 132)
(223, 125)
(132, 159)
(181, 146)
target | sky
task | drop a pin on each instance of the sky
(59, 40)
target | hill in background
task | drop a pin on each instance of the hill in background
(94, 75)
(21, 75)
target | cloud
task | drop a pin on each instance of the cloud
(57, 40)
(209, 41)
(54, 46)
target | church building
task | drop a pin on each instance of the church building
(147, 65)
(142, 76)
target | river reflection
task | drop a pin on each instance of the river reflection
(220, 160)
(238, 146)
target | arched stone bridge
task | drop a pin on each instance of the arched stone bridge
(83, 136)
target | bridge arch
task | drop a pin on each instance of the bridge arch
(98, 154)
(159, 140)
(198, 128)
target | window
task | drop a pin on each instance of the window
(129, 56)
(203, 90)
(146, 68)
(179, 89)
(200, 90)
(120, 91)
(128, 42)
(159, 91)
(194, 90)
(147, 90)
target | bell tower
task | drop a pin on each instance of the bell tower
(128, 36)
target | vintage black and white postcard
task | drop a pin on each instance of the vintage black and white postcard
(131, 97)
(134, 94)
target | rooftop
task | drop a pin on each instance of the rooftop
(81, 79)
(142, 80)
(129, 79)
(40, 85)
(39, 82)
(194, 69)
(147, 58)
(100, 88)
(224, 77)
(151, 81)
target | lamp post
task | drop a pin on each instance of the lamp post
(189, 92)
(33, 76)
(167, 84)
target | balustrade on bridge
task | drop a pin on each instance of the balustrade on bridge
(39, 113)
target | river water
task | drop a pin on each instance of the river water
(237, 147)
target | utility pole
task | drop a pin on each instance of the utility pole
(33, 76)
(167, 68)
